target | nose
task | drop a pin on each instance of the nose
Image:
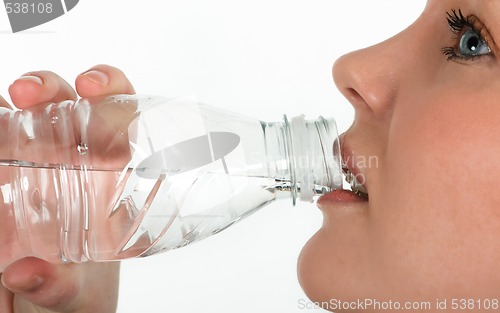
(368, 78)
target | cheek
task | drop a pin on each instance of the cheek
(445, 151)
(436, 191)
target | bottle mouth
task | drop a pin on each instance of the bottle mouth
(314, 157)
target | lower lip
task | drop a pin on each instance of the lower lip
(341, 196)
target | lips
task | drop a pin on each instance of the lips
(353, 175)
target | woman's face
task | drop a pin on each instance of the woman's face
(425, 141)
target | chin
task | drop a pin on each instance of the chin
(333, 269)
(307, 271)
(319, 272)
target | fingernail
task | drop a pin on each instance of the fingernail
(97, 77)
(32, 78)
(25, 286)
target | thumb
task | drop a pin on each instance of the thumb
(44, 284)
(86, 287)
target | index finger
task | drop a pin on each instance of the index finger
(103, 80)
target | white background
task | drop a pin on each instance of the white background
(262, 58)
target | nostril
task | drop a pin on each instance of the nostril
(355, 98)
(352, 93)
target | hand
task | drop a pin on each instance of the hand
(34, 285)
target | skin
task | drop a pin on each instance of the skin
(34, 285)
(430, 228)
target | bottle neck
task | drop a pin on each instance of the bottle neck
(305, 154)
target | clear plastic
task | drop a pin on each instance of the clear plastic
(127, 176)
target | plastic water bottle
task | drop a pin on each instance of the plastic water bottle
(127, 176)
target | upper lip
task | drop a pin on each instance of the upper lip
(350, 161)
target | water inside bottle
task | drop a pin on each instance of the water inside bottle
(71, 213)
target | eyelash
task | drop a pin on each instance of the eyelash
(458, 23)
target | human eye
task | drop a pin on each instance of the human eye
(471, 39)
